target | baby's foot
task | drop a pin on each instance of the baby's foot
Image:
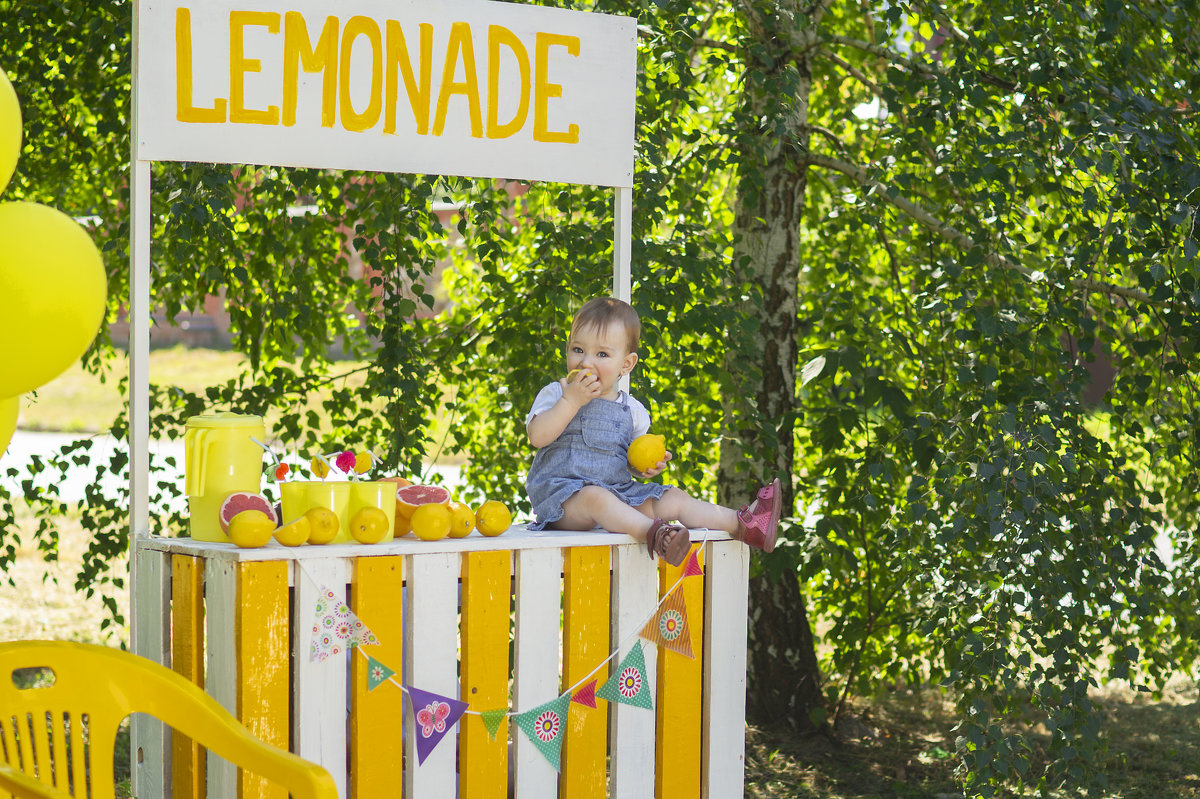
(758, 523)
(671, 542)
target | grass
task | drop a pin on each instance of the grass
(900, 746)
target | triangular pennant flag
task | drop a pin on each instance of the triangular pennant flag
(377, 673)
(336, 628)
(693, 568)
(629, 684)
(586, 695)
(492, 719)
(433, 716)
(546, 726)
(669, 626)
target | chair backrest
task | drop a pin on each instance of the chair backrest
(64, 727)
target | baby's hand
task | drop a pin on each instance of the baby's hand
(656, 469)
(580, 387)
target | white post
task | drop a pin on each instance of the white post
(622, 287)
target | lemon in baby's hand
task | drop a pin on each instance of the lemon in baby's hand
(295, 532)
(431, 521)
(251, 529)
(324, 524)
(462, 520)
(369, 525)
(493, 518)
(646, 451)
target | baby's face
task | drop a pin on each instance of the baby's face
(602, 352)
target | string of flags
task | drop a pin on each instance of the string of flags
(338, 629)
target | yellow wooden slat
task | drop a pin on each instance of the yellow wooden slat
(376, 735)
(677, 773)
(263, 668)
(586, 572)
(486, 592)
(187, 659)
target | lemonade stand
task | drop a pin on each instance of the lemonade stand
(419, 703)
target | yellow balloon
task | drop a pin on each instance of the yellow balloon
(52, 294)
(10, 130)
(9, 407)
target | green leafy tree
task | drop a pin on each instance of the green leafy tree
(877, 251)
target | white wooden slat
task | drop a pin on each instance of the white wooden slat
(622, 285)
(150, 638)
(724, 710)
(319, 695)
(431, 664)
(536, 662)
(221, 677)
(631, 729)
(139, 343)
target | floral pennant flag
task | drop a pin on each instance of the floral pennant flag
(434, 716)
(336, 628)
(377, 673)
(693, 568)
(586, 695)
(629, 684)
(546, 725)
(492, 719)
(669, 626)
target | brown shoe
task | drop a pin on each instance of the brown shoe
(671, 542)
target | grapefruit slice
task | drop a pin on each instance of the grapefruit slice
(409, 498)
(238, 501)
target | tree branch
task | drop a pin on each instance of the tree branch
(854, 72)
(957, 237)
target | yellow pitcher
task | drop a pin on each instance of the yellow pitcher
(221, 457)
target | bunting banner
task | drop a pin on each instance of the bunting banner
(336, 628)
(433, 716)
(629, 685)
(586, 695)
(492, 719)
(669, 626)
(693, 568)
(546, 725)
(377, 673)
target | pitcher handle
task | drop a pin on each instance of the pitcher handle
(195, 461)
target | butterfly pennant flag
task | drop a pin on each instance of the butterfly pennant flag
(629, 684)
(434, 716)
(546, 726)
(669, 626)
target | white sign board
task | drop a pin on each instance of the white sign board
(476, 88)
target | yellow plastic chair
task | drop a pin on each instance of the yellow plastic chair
(42, 727)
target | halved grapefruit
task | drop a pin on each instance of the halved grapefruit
(409, 498)
(238, 501)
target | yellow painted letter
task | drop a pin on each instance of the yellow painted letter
(543, 89)
(184, 110)
(297, 50)
(239, 65)
(351, 119)
(497, 36)
(460, 41)
(398, 57)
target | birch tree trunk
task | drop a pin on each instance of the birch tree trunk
(783, 680)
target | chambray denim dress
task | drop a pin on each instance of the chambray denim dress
(592, 450)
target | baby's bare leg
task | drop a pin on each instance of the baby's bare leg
(679, 505)
(593, 506)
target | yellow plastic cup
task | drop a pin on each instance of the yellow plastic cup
(220, 457)
(343, 498)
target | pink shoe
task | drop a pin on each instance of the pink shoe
(758, 526)
(673, 551)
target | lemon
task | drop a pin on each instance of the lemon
(324, 524)
(646, 451)
(493, 518)
(251, 529)
(362, 462)
(431, 521)
(369, 525)
(295, 532)
(403, 525)
(319, 468)
(462, 520)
